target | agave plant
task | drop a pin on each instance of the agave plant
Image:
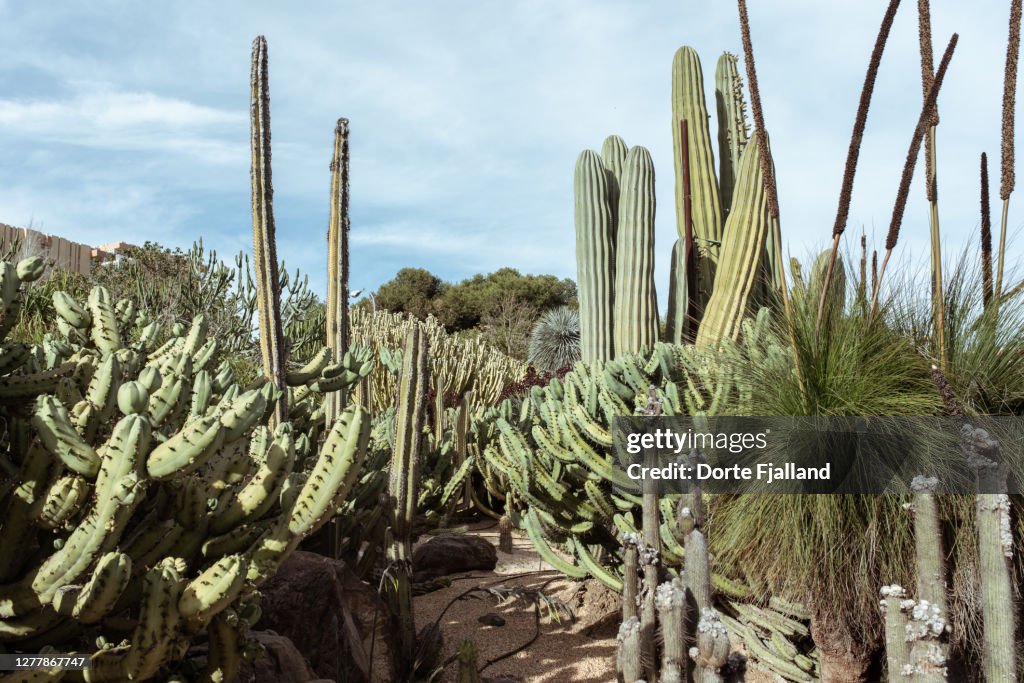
(555, 340)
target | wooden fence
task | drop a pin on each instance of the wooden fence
(64, 254)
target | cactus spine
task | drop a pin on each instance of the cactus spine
(337, 263)
(595, 256)
(636, 306)
(264, 246)
(404, 477)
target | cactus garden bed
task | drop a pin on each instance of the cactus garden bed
(158, 469)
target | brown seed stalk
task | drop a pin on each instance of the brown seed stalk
(923, 123)
(767, 169)
(1009, 101)
(853, 154)
(986, 234)
(860, 122)
(924, 35)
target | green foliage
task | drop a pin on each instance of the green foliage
(413, 290)
(467, 304)
(555, 340)
(173, 286)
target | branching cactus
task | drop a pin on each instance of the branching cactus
(159, 487)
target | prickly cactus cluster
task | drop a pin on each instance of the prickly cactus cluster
(145, 493)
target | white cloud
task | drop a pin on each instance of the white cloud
(97, 115)
(466, 118)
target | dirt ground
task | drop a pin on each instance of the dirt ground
(581, 650)
(525, 649)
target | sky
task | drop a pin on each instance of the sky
(128, 121)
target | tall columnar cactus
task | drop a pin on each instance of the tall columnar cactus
(337, 262)
(733, 132)
(671, 604)
(595, 256)
(613, 156)
(742, 255)
(688, 104)
(931, 557)
(268, 282)
(636, 305)
(403, 491)
(995, 554)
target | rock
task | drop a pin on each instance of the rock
(492, 619)
(328, 614)
(503, 679)
(452, 553)
(283, 662)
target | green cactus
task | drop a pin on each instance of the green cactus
(733, 132)
(337, 262)
(595, 256)
(405, 471)
(742, 253)
(264, 243)
(688, 105)
(636, 307)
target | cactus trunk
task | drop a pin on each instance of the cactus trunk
(688, 104)
(403, 485)
(264, 240)
(337, 264)
(742, 254)
(636, 306)
(595, 257)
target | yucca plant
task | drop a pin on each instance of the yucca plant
(555, 340)
(829, 551)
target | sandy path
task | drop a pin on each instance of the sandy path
(564, 651)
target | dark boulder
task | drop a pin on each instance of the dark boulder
(451, 554)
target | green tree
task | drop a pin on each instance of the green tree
(466, 304)
(413, 290)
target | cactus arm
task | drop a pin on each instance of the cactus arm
(742, 253)
(100, 594)
(214, 589)
(333, 474)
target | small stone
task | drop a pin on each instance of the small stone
(492, 619)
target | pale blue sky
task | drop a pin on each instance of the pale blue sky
(128, 121)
